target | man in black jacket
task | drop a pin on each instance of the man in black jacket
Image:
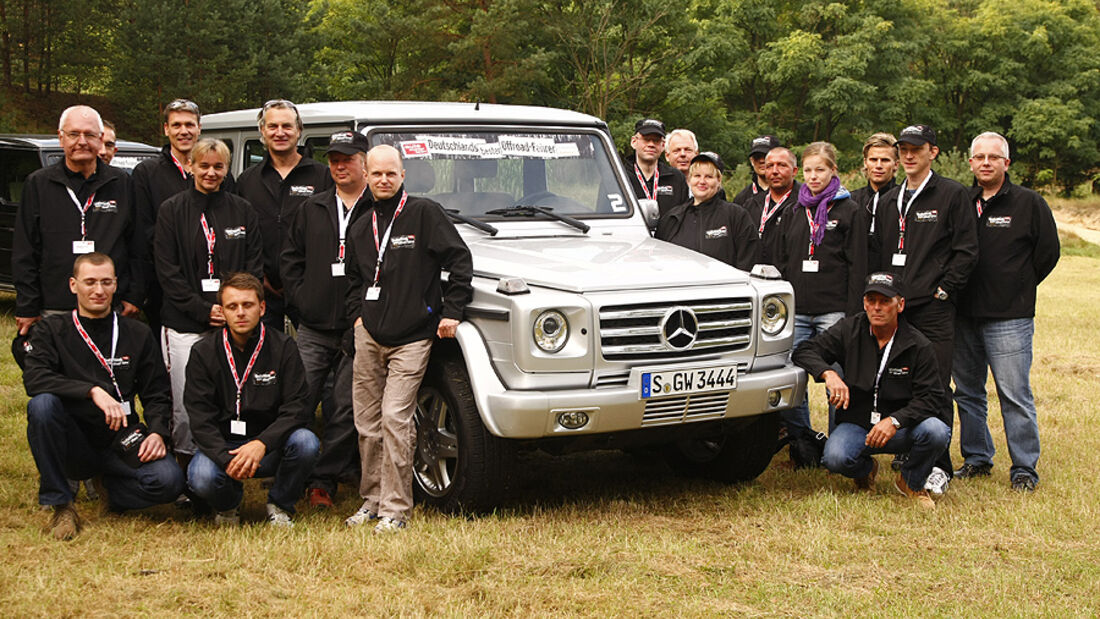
(83, 371)
(249, 406)
(395, 302)
(313, 263)
(1017, 248)
(651, 178)
(880, 165)
(925, 232)
(275, 187)
(889, 400)
(75, 206)
(761, 146)
(767, 208)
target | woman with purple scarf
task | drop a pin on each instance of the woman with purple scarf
(823, 253)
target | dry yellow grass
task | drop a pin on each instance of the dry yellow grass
(610, 534)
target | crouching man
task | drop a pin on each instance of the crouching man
(890, 401)
(83, 370)
(248, 402)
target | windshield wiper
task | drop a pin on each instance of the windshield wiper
(489, 229)
(524, 209)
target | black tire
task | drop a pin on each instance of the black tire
(459, 466)
(740, 453)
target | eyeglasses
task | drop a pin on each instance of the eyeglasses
(989, 158)
(87, 135)
(103, 283)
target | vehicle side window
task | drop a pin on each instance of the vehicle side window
(319, 147)
(15, 165)
(254, 152)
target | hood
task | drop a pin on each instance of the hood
(590, 264)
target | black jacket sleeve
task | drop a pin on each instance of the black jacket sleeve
(820, 352)
(964, 244)
(154, 388)
(42, 373)
(255, 242)
(856, 252)
(746, 241)
(454, 256)
(294, 409)
(927, 390)
(200, 398)
(292, 259)
(1047, 246)
(26, 253)
(133, 283)
(353, 300)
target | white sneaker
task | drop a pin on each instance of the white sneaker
(937, 481)
(389, 525)
(230, 517)
(276, 517)
(363, 516)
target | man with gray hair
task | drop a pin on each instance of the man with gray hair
(680, 148)
(1017, 248)
(767, 207)
(76, 206)
(276, 187)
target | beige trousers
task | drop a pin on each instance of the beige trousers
(385, 380)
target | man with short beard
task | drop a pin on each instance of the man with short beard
(767, 208)
(651, 178)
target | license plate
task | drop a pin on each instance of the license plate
(680, 382)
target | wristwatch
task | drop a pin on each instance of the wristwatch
(897, 424)
(941, 294)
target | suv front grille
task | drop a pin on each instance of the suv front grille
(681, 409)
(634, 331)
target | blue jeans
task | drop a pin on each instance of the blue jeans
(806, 326)
(290, 465)
(847, 453)
(61, 452)
(1003, 346)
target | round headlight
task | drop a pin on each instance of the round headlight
(551, 330)
(773, 316)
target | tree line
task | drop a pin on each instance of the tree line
(803, 70)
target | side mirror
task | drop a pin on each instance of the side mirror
(651, 212)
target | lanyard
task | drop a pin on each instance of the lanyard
(656, 176)
(755, 188)
(380, 246)
(882, 366)
(98, 355)
(179, 166)
(902, 212)
(978, 205)
(239, 381)
(813, 230)
(874, 211)
(343, 217)
(766, 215)
(211, 237)
(83, 210)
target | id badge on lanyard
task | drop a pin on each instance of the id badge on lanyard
(898, 259)
(210, 283)
(83, 246)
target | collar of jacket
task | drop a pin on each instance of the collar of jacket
(388, 206)
(976, 189)
(59, 173)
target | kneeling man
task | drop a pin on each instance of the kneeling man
(83, 370)
(248, 402)
(890, 401)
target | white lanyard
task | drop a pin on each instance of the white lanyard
(343, 217)
(211, 237)
(656, 177)
(882, 367)
(380, 246)
(95, 349)
(83, 210)
(874, 211)
(239, 381)
(902, 212)
(766, 215)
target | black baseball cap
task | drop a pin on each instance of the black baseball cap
(650, 126)
(917, 135)
(763, 144)
(709, 157)
(348, 142)
(883, 283)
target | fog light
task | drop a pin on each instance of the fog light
(573, 419)
(774, 397)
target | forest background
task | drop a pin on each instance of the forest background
(804, 70)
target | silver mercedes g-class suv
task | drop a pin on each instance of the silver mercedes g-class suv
(584, 332)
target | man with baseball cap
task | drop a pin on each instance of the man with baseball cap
(926, 232)
(891, 394)
(651, 178)
(316, 286)
(761, 145)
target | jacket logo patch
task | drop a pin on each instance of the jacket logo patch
(119, 362)
(265, 380)
(301, 190)
(999, 222)
(105, 206)
(832, 224)
(407, 241)
(664, 190)
(233, 234)
(927, 216)
(718, 233)
(898, 371)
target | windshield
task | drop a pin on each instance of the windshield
(475, 172)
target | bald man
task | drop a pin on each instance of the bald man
(395, 253)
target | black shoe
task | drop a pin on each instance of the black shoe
(967, 470)
(1023, 483)
(899, 461)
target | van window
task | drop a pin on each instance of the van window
(319, 147)
(254, 152)
(15, 165)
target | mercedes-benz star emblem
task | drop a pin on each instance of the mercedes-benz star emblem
(679, 328)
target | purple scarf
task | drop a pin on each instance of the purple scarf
(819, 204)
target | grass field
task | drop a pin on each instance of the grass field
(609, 534)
